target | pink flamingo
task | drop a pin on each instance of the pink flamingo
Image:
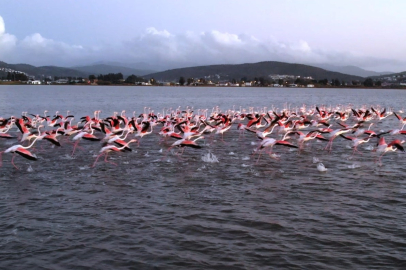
(383, 147)
(21, 150)
(111, 148)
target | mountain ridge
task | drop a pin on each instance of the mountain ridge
(351, 70)
(221, 72)
(97, 69)
(251, 70)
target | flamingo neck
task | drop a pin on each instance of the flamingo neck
(29, 146)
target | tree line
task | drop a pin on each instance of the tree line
(118, 78)
(15, 76)
(261, 81)
(115, 78)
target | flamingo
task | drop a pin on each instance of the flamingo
(84, 135)
(111, 148)
(333, 134)
(307, 137)
(355, 142)
(21, 150)
(270, 142)
(402, 120)
(24, 130)
(185, 143)
(383, 147)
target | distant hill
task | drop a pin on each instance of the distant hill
(155, 67)
(45, 71)
(105, 69)
(351, 70)
(251, 70)
(399, 74)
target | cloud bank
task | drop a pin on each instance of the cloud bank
(162, 48)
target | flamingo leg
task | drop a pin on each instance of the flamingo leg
(222, 138)
(105, 159)
(181, 153)
(97, 158)
(167, 152)
(12, 162)
(356, 150)
(259, 155)
(74, 146)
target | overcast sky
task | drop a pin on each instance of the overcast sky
(366, 33)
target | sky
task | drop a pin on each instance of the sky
(164, 34)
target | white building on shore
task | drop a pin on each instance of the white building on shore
(33, 82)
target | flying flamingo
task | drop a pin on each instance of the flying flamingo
(270, 142)
(185, 143)
(84, 135)
(21, 150)
(111, 148)
(333, 134)
(391, 147)
(307, 137)
(402, 120)
(355, 142)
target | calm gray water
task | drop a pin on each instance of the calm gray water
(154, 213)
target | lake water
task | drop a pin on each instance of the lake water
(151, 212)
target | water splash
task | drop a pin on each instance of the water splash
(210, 157)
(67, 156)
(201, 168)
(316, 160)
(321, 168)
(231, 153)
(275, 156)
(30, 169)
(353, 166)
(245, 158)
(369, 147)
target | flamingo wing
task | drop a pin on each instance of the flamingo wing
(25, 153)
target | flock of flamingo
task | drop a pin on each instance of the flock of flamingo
(293, 128)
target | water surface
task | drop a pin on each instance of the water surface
(154, 213)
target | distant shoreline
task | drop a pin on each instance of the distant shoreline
(200, 86)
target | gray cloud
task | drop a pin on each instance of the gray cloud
(162, 48)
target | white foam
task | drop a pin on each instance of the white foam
(67, 156)
(231, 153)
(353, 166)
(369, 147)
(30, 169)
(275, 156)
(210, 157)
(321, 168)
(246, 158)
